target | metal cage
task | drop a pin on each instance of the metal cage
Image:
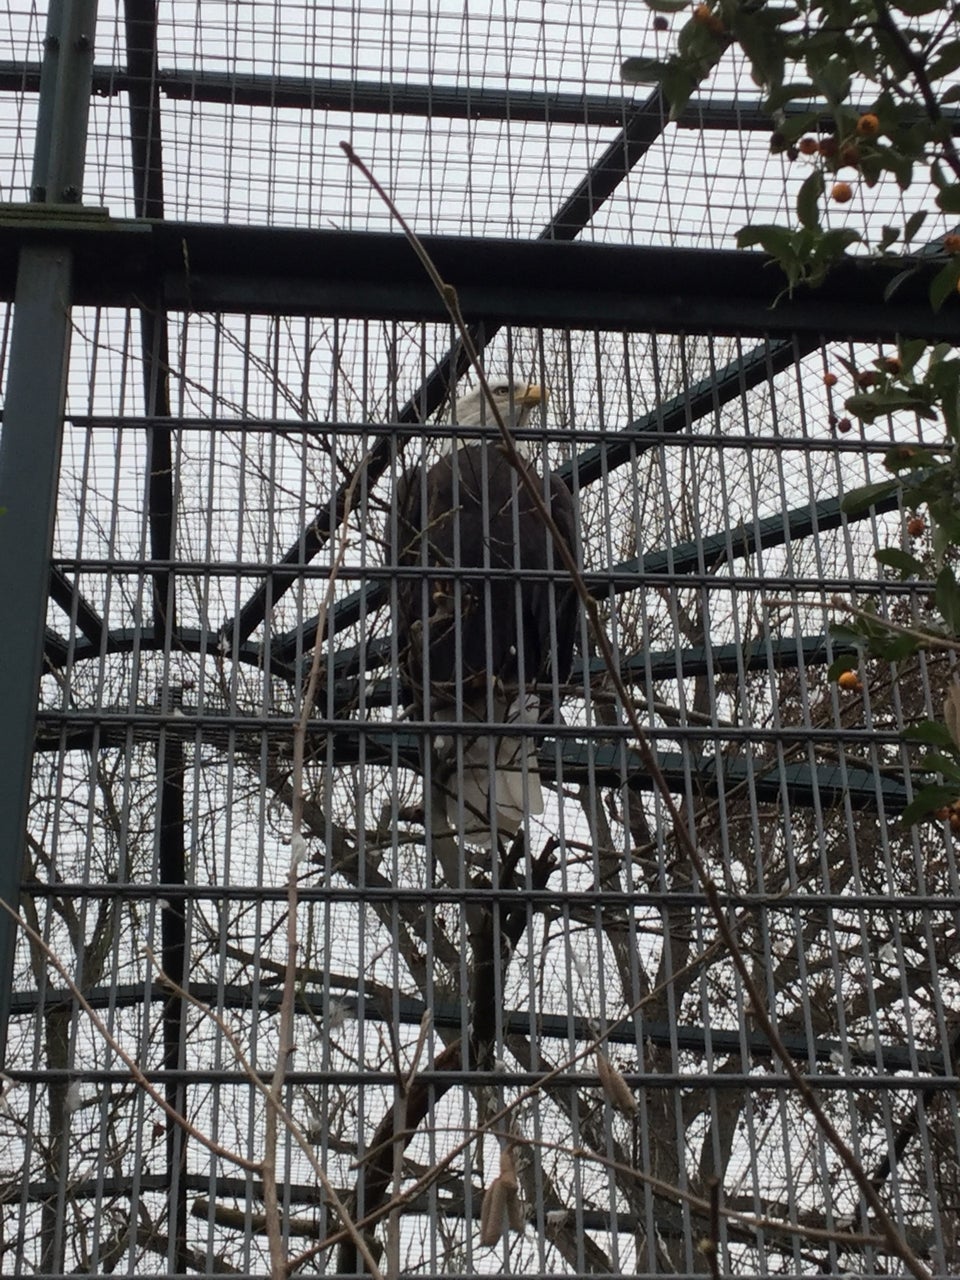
(269, 1006)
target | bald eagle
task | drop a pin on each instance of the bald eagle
(475, 646)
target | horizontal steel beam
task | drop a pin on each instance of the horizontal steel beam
(431, 101)
(563, 760)
(198, 267)
(449, 1014)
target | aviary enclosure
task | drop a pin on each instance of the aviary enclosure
(272, 1009)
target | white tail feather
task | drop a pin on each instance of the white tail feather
(516, 779)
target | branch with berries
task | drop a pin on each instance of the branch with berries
(857, 88)
(856, 91)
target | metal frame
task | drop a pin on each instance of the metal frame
(52, 256)
(121, 262)
(32, 429)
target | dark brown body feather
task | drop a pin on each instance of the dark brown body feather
(470, 511)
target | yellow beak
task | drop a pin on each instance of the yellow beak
(533, 395)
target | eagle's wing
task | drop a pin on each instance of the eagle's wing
(472, 634)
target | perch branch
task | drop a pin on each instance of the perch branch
(400, 1124)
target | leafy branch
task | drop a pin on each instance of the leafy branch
(857, 90)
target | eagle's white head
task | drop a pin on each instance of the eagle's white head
(513, 400)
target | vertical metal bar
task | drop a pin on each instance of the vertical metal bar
(65, 85)
(45, 103)
(173, 933)
(31, 440)
(140, 27)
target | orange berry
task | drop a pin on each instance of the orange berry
(868, 126)
(828, 147)
(848, 680)
(904, 452)
(952, 243)
(892, 364)
(850, 154)
(704, 18)
(844, 425)
(916, 526)
(866, 380)
(955, 821)
(841, 192)
(830, 379)
(660, 23)
(808, 146)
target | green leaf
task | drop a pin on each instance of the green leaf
(917, 8)
(940, 352)
(941, 541)
(906, 565)
(678, 84)
(928, 801)
(832, 243)
(910, 350)
(950, 95)
(908, 457)
(800, 91)
(846, 662)
(945, 528)
(948, 198)
(945, 282)
(832, 78)
(843, 634)
(667, 6)
(944, 378)
(891, 49)
(700, 46)
(888, 236)
(894, 647)
(947, 596)
(931, 732)
(913, 224)
(643, 70)
(864, 58)
(859, 500)
(935, 762)
(869, 407)
(900, 166)
(948, 60)
(777, 241)
(808, 200)
(795, 127)
(897, 281)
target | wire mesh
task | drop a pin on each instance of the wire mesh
(794, 790)
(230, 515)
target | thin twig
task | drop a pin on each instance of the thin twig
(130, 1063)
(710, 1246)
(918, 65)
(448, 1062)
(349, 1229)
(285, 1048)
(756, 998)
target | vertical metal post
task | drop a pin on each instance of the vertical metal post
(140, 26)
(30, 442)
